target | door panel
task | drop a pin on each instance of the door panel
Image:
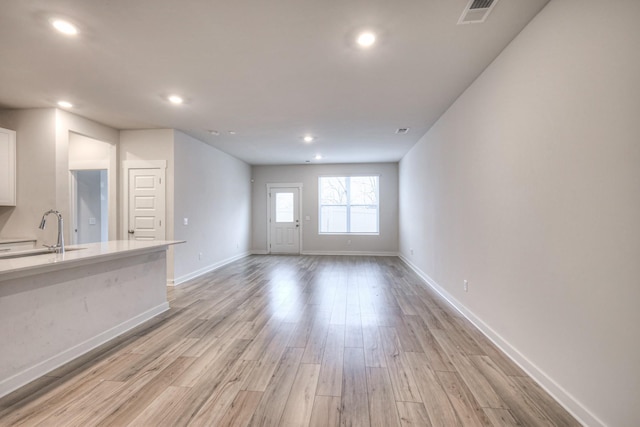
(144, 223)
(284, 220)
(146, 204)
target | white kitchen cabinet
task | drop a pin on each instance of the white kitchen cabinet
(7, 167)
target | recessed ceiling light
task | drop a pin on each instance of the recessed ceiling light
(65, 27)
(214, 132)
(232, 132)
(318, 157)
(175, 99)
(65, 104)
(366, 39)
(308, 138)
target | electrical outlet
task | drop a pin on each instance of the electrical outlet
(411, 251)
(199, 256)
(185, 221)
(466, 286)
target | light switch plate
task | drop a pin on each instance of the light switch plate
(185, 221)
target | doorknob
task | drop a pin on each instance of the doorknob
(130, 231)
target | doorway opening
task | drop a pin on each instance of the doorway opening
(90, 206)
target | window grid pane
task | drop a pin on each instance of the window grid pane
(333, 191)
(364, 219)
(364, 190)
(349, 204)
(333, 219)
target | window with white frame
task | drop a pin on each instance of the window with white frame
(349, 204)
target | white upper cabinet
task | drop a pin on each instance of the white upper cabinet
(7, 167)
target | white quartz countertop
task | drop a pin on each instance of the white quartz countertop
(90, 252)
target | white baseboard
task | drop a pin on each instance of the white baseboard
(562, 396)
(352, 253)
(34, 372)
(207, 269)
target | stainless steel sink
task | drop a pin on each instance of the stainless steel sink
(32, 252)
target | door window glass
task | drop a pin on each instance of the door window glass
(284, 207)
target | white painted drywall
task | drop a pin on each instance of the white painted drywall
(213, 191)
(42, 142)
(150, 144)
(35, 170)
(67, 127)
(385, 243)
(89, 154)
(529, 188)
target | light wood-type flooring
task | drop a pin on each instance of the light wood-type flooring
(293, 341)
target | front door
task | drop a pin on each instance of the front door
(146, 204)
(284, 221)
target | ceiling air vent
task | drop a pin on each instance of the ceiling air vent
(402, 131)
(476, 11)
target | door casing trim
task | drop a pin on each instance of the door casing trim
(139, 164)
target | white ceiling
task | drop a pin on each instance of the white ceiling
(272, 71)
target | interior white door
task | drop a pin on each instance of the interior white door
(146, 204)
(284, 221)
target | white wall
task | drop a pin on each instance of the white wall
(89, 154)
(385, 243)
(36, 191)
(213, 191)
(150, 144)
(42, 139)
(70, 127)
(203, 184)
(528, 187)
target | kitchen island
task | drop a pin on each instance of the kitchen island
(56, 307)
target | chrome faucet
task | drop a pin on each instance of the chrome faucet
(59, 246)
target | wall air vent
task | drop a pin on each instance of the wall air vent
(402, 131)
(476, 11)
